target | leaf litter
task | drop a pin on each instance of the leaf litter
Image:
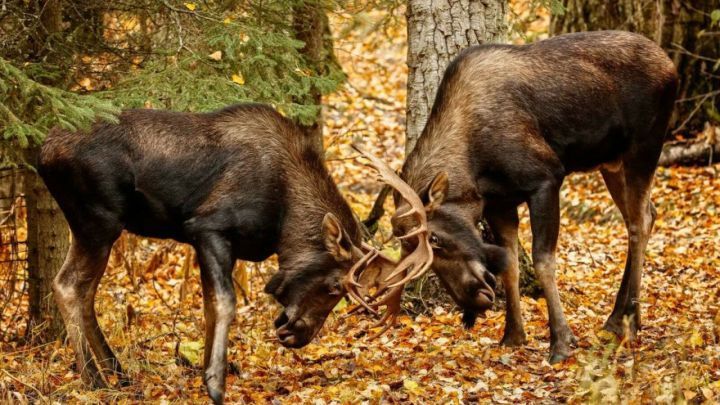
(150, 308)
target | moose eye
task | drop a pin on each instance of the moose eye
(434, 241)
(335, 289)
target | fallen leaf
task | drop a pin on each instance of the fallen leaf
(238, 78)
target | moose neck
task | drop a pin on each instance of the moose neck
(443, 146)
(310, 194)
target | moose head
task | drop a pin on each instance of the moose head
(464, 263)
(312, 281)
(435, 234)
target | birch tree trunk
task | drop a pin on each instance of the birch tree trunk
(437, 31)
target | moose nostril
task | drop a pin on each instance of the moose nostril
(284, 334)
(281, 320)
(287, 338)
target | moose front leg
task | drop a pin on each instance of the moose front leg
(504, 225)
(216, 264)
(545, 222)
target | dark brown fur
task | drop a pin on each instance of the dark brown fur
(508, 124)
(240, 183)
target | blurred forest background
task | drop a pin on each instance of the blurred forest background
(348, 71)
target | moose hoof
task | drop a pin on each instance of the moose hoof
(560, 349)
(621, 329)
(558, 357)
(513, 339)
(216, 394)
(215, 387)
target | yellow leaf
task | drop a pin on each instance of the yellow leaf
(191, 351)
(392, 253)
(190, 6)
(217, 55)
(412, 386)
(238, 79)
(227, 20)
(342, 304)
(695, 340)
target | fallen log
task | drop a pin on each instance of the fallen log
(701, 151)
(689, 153)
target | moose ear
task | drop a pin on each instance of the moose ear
(336, 241)
(273, 286)
(437, 192)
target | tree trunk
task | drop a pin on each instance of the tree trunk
(311, 26)
(47, 241)
(48, 234)
(682, 28)
(437, 31)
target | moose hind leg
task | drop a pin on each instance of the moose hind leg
(75, 286)
(545, 222)
(216, 264)
(630, 190)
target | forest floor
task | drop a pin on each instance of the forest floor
(149, 302)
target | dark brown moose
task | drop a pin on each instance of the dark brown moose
(240, 183)
(508, 124)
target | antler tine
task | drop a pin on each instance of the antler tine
(391, 178)
(417, 262)
(389, 292)
(414, 232)
(420, 261)
(408, 213)
(392, 300)
(367, 258)
(362, 302)
(351, 284)
(389, 320)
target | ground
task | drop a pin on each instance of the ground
(149, 302)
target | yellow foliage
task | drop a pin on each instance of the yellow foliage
(238, 78)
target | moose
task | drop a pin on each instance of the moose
(507, 125)
(241, 183)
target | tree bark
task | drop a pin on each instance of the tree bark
(311, 26)
(48, 234)
(682, 28)
(48, 240)
(437, 31)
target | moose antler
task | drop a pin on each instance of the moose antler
(389, 287)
